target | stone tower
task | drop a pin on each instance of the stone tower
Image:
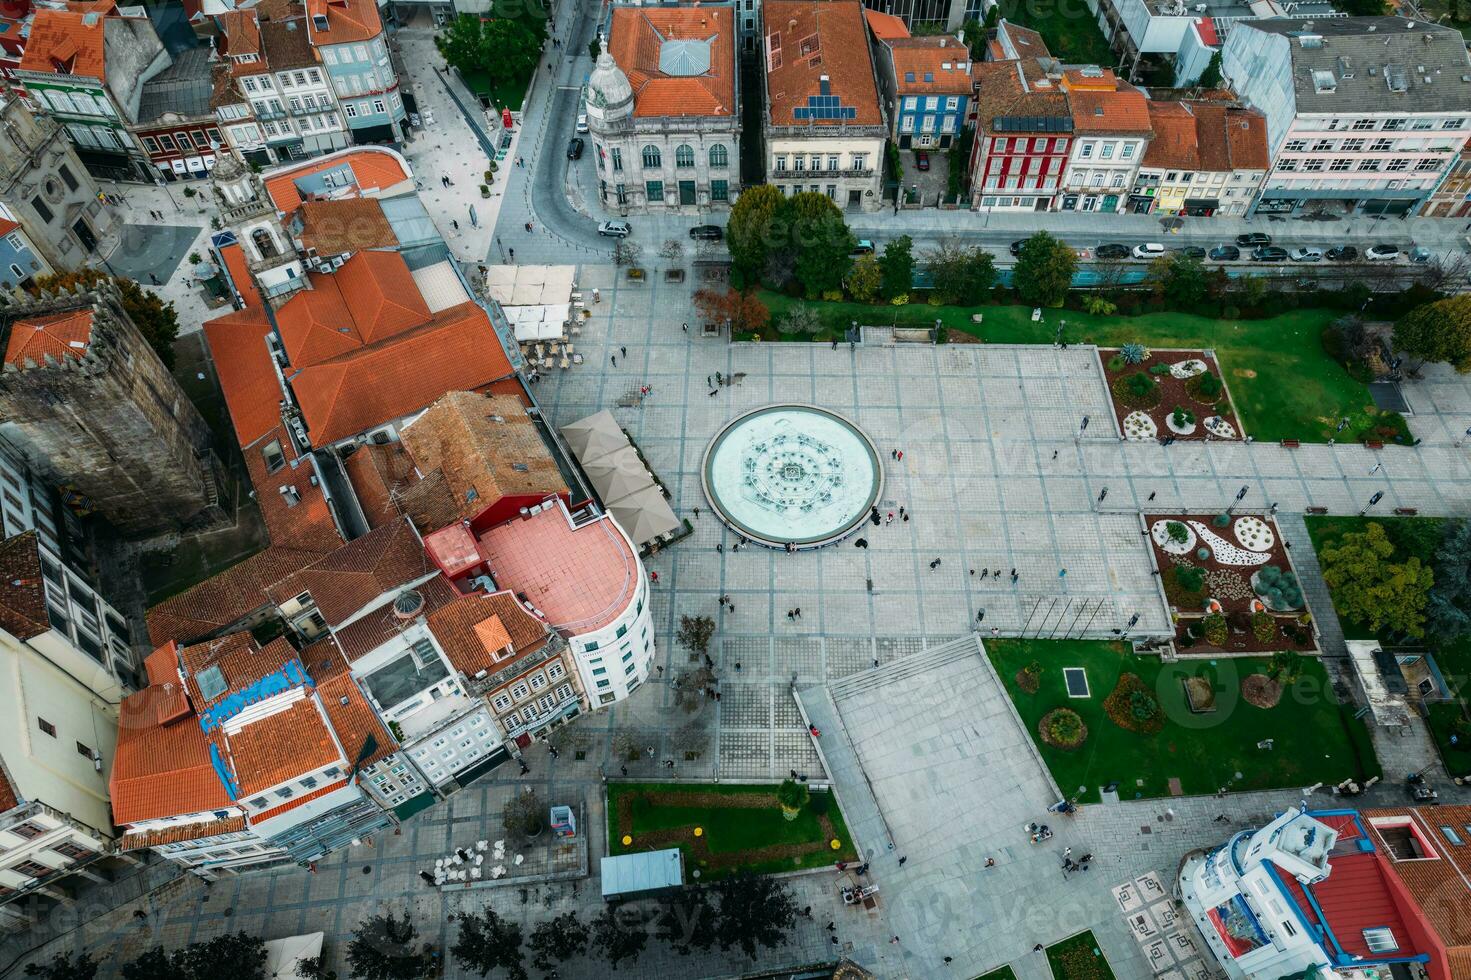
(249, 211)
(609, 99)
(89, 403)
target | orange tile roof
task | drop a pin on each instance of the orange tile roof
(456, 349)
(242, 35)
(810, 40)
(162, 665)
(282, 747)
(1246, 139)
(946, 67)
(475, 629)
(1124, 112)
(347, 21)
(1206, 136)
(66, 42)
(242, 662)
(58, 336)
(301, 799)
(362, 636)
(234, 257)
(242, 359)
(161, 769)
(1013, 40)
(1174, 145)
(378, 475)
(349, 225)
(580, 579)
(346, 580)
(885, 27)
(1013, 89)
(22, 591)
(478, 442)
(1440, 888)
(638, 34)
(181, 833)
(372, 169)
(372, 297)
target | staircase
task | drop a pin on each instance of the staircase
(920, 663)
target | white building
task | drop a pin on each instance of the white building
(1111, 131)
(1365, 115)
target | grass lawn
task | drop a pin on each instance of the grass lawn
(1071, 32)
(743, 828)
(1078, 958)
(1002, 973)
(1283, 384)
(503, 95)
(1314, 738)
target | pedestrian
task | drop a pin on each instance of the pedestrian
(799, 612)
(875, 518)
(717, 693)
(623, 351)
(513, 254)
(614, 359)
(428, 878)
(1067, 852)
(686, 328)
(790, 616)
(1152, 494)
(623, 769)
(1054, 454)
(901, 455)
(984, 572)
(660, 669)
(553, 750)
(153, 279)
(906, 518)
(651, 751)
(525, 768)
(738, 666)
(1062, 573)
(894, 940)
(894, 454)
(835, 343)
(807, 911)
(934, 564)
(861, 543)
(903, 859)
(875, 663)
(697, 513)
(1037, 948)
(949, 960)
(653, 576)
(719, 548)
(709, 381)
(830, 927)
(901, 512)
(1102, 494)
(981, 616)
(990, 862)
(1376, 468)
(890, 519)
(1014, 576)
(995, 632)
(455, 223)
(841, 865)
(834, 939)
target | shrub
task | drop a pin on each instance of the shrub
(1213, 628)
(1117, 363)
(1190, 577)
(1063, 728)
(1159, 369)
(1203, 554)
(1029, 678)
(1177, 532)
(833, 295)
(1098, 306)
(1134, 707)
(901, 300)
(1137, 390)
(1205, 387)
(1134, 353)
(820, 803)
(1263, 627)
(1182, 417)
(1221, 520)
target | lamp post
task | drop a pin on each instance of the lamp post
(1239, 495)
(1378, 496)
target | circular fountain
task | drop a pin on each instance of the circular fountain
(792, 474)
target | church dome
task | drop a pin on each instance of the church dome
(609, 93)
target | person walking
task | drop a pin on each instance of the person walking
(614, 359)
(981, 616)
(995, 632)
(890, 519)
(984, 572)
(1376, 468)
(623, 351)
(1102, 494)
(1152, 494)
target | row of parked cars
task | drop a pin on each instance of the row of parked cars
(1258, 247)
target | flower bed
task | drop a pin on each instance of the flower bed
(1232, 598)
(1188, 380)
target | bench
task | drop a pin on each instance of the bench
(1407, 511)
(1290, 443)
(1316, 510)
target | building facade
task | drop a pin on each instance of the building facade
(1205, 159)
(1452, 199)
(175, 124)
(1365, 115)
(1024, 137)
(825, 130)
(1111, 132)
(927, 86)
(45, 189)
(86, 399)
(662, 110)
(349, 38)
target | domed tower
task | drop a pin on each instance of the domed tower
(609, 98)
(248, 210)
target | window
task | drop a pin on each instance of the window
(860, 161)
(1360, 125)
(86, 750)
(1397, 165)
(1427, 163)
(74, 851)
(33, 869)
(310, 782)
(42, 211)
(350, 110)
(501, 702)
(555, 670)
(250, 85)
(719, 155)
(1450, 834)
(952, 103)
(1392, 124)
(67, 178)
(378, 105)
(1127, 151)
(780, 162)
(799, 164)
(1322, 146)
(719, 190)
(27, 831)
(616, 155)
(538, 681)
(1340, 164)
(46, 727)
(150, 144)
(652, 157)
(684, 156)
(1380, 939)
(832, 163)
(1312, 166)
(1296, 146)
(1105, 152)
(654, 189)
(166, 141)
(259, 802)
(519, 691)
(332, 772)
(1369, 166)
(1085, 150)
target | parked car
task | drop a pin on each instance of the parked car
(1341, 253)
(1421, 256)
(707, 233)
(1382, 253)
(1269, 253)
(921, 160)
(864, 247)
(1225, 253)
(1306, 254)
(1112, 251)
(1192, 252)
(1253, 239)
(574, 148)
(1016, 247)
(582, 122)
(1149, 250)
(615, 229)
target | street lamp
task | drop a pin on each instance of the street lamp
(1378, 496)
(1239, 495)
(1081, 429)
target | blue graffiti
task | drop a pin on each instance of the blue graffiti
(223, 771)
(277, 682)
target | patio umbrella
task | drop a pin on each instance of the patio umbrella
(644, 514)
(597, 435)
(618, 474)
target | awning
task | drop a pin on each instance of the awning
(618, 474)
(644, 514)
(597, 435)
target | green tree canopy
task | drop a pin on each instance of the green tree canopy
(1450, 599)
(691, 920)
(557, 940)
(1044, 270)
(237, 955)
(864, 278)
(755, 910)
(64, 966)
(385, 947)
(617, 936)
(816, 240)
(488, 943)
(1370, 588)
(1439, 331)
(897, 267)
(749, 232)
(155, 319)
(962, 274)
(1179, 280)
(504, 49)
(1211, 77)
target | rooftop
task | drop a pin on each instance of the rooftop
(819, 71)
(885, 27)
(388, 484)
(931, 66)
(183, 88)
(343, 21)
(161, 766)
(283, 746)
(476, 629)
(581, 579)
(351, 225)
(1102, 103)
(286, 44)
(59, 336)
(348, 579)
(22, 592)
(1019, 97)
(1206, 136)
(362, 636)
(66, 42)
(371, 169)
(680, 61)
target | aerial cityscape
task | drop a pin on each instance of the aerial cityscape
(967, 489)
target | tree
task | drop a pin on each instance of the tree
(690, 740)
(693, 921)
(689, 689)
(962, 274)
(863, 279)
(65, 966)
(749, 232)
(525, 814)
(616, 941)
(754, 911)
(800, 319)
(626, 252)
(792, 797)
(1450, 599)
(1439, 331)
(695, 633)
(1044, 270)
(897, 267)
(557, 940)
(1362, 8)
(1211, 77)
(812, 232)
(744, 311)
(672, 249)
(153, 964)
(594, 49)
(156, 320)
(503, 49)
(487, 943)
(1179, 280)
(1368, 588)
(385, 947)
(237, 955)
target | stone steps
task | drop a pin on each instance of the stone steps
(919, 663)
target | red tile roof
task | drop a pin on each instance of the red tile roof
(1010, 90)
(346, 580)
(242, 359)
(66, 42)
(371, 298)
(234, 257)
(162, 665)
(349, 225)
(9, 798)
(1206, 136)
(1440, 888)
(638, 35)
(161, 769)
(475, 629)
(347, 21)
(1124, 112)
(885, 27)
(241, 661)
(281, 747)
(22, 592)
(580, 579)
(242, 36)
(59, 336)
(181, 833)
(373, 169)
(809, 40)
(1020, 42)
(363, 636)
(940, 66)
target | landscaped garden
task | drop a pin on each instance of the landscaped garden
(1078, 958)
(1190, 727)
(1000, 973)
(1403, 581)
(1230, 584)
(1168, 393)
(726, 828)
(1283, 384)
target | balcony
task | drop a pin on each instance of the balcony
(820, 174)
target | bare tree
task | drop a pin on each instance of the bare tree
(690, 741)
(672, 250)
(626, 252)
(625, 747)
(1438, 273)
(689, 689)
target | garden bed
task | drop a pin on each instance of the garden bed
(741, 827)
(1178, 393)
(1078, 958)
(1231, 588)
